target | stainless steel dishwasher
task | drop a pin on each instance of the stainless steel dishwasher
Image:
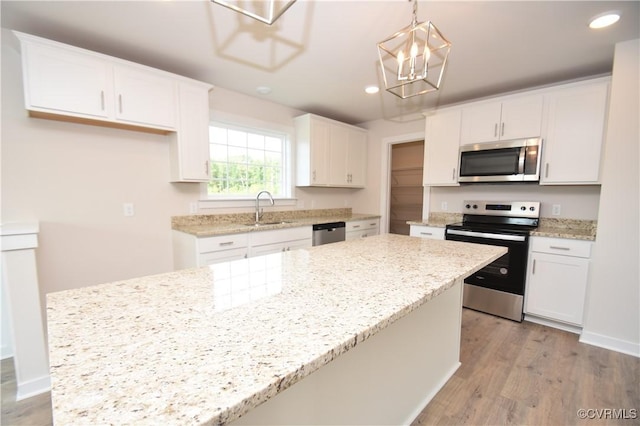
(325, 233)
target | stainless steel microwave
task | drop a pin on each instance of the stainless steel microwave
(506, 161)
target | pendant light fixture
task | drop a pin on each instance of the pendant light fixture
(413, 60)
(265, 11)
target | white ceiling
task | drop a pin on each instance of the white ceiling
(319, 55)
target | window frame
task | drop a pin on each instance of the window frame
(268, 129)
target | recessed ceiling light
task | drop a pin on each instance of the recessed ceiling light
(263, 90)
(604, 19)
(372, 89)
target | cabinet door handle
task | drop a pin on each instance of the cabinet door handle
(120, 103)
(314, 176)
(426, 233)
(533, 269)
(546, 170)
(560, 248)
(206, 168)
(453, 174)
(495, 130)
(356, 226)
(226, 243)
(502, 130)
(102, 99)
(372, 224)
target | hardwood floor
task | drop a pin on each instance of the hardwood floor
(511, 373)
(524, 373)
(34, 411)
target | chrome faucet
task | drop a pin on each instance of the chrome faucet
(258, 211)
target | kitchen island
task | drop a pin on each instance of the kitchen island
(362, 331)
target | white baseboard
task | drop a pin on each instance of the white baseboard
(6, 352)
(33, 387)
(611, 343)
(555, 324)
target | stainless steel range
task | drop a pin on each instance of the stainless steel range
(499, 287)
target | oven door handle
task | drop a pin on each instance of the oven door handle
(504, 237)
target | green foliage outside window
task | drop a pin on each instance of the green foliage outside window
(244, 163)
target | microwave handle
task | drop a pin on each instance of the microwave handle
(521, 157)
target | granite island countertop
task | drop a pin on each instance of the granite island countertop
(207, 345)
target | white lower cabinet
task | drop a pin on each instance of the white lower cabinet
(557, 279)
(190, 251)
(267, 242)
(423, 231)
(362, 229)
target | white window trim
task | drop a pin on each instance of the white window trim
(223, 118)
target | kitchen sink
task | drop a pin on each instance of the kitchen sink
(258, 224)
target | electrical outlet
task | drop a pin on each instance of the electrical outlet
(444, 206)
(193, 207)
(555, 211)
(128, 210)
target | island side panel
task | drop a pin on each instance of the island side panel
(387, 379)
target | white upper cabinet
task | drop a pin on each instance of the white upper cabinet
(510, 118)
(65, 81)
(357, 158)
(144, 98)
(329, 153)
(441, 144)
(62, 81)
(574, 133)
(190, 143)
(312, 150)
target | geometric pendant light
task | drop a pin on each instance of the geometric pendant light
(413, 60)
(265, 11)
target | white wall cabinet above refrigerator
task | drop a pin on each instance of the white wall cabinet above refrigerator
(514, 117)
(329, 153)
(574, 134)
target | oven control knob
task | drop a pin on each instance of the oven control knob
(523, 208)
(475, 206)
(532, 208)
(468, 206)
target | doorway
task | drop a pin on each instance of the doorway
(406, 190)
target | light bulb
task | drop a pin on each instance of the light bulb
(414, 50)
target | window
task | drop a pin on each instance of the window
(246, 161)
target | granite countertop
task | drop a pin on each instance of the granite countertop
(574, 229)
(207, 345)
(212, 225)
